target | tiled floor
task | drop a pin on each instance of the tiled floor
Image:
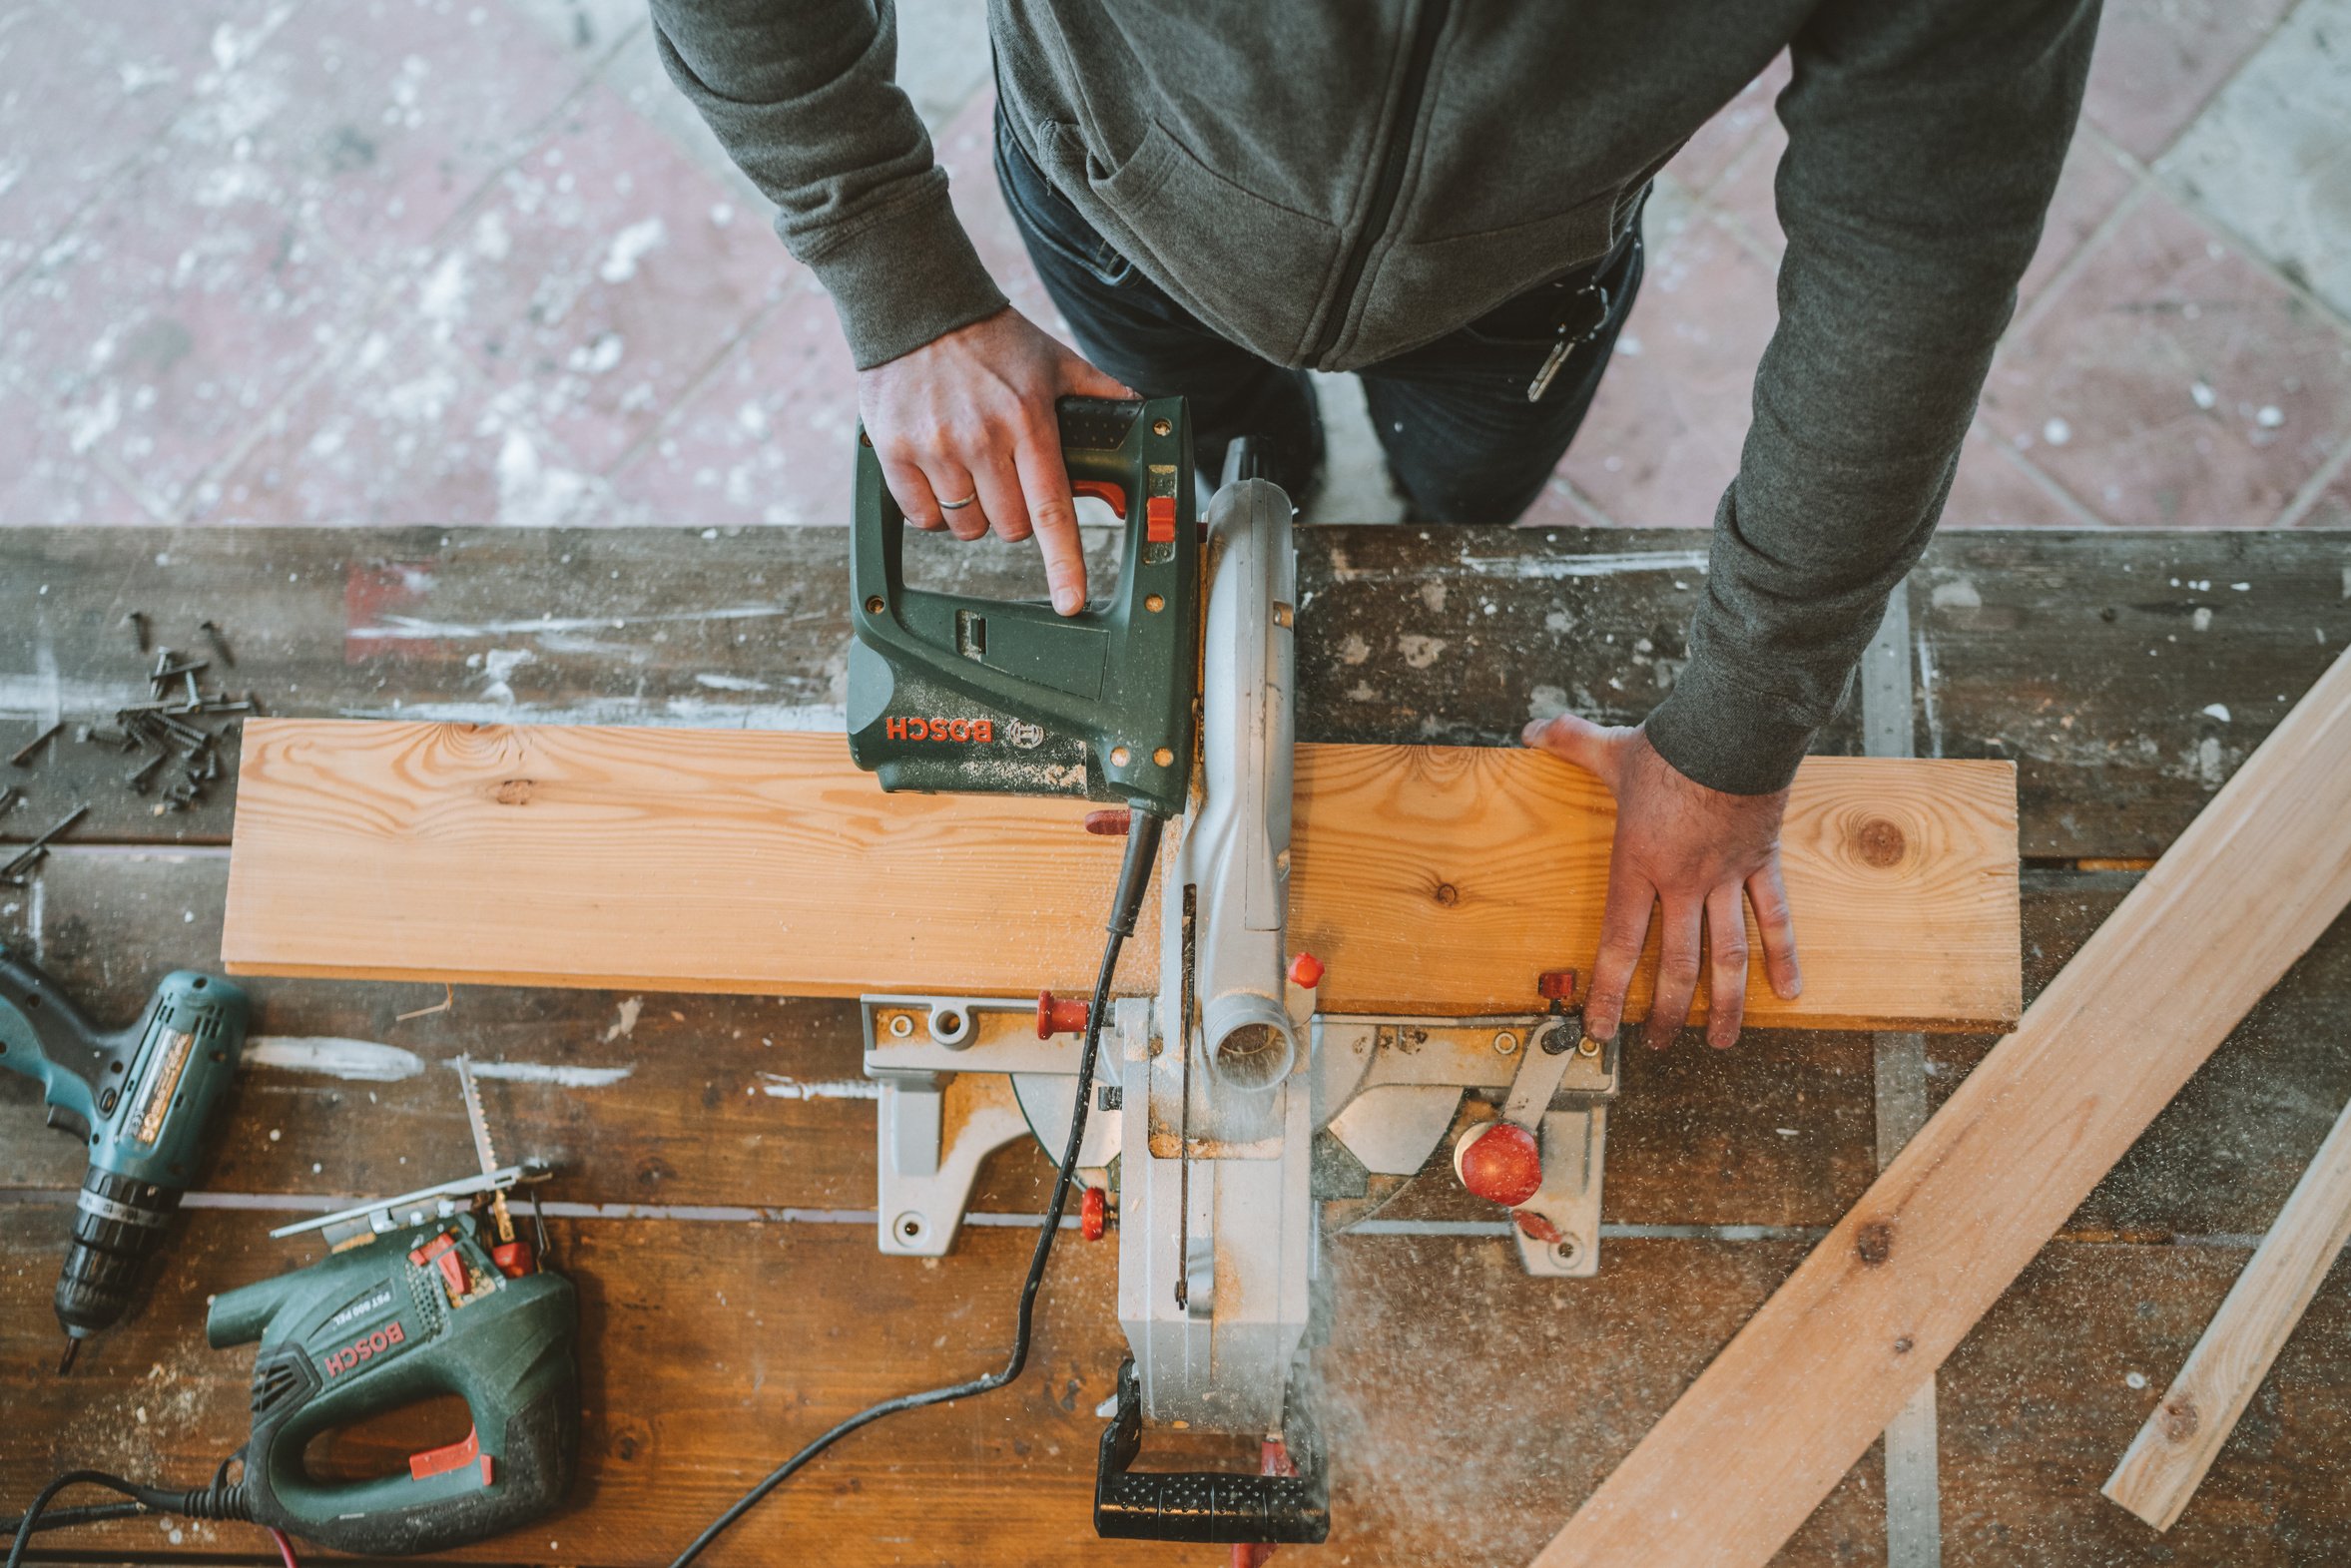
(474, 261)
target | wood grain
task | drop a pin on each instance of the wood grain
(1429, 878)
(1813, 1378)
(2183, 1434)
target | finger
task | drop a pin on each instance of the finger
(1726, 950)
(1000, 503)
(1777, 924)
(1588, 746)
(1677, 970)
(1053, 513)
(914, 494)
(1080, 379)
(1625, 930)
(952, 481)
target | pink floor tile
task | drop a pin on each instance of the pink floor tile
(2332, 509)
(2159, 61)
(48, 477)
(767, 439)
(74, 108)
(1996, 488)
(382, 117)
(1663, 435)
(2091, 185)
(1747, 195)
(1706, 157)
(2174, 383)
(1558, 507)
(403, 430)
(169, 320)
(600, 277)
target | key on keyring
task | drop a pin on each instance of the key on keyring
(1550, 367)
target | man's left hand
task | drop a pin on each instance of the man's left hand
(1698, 854)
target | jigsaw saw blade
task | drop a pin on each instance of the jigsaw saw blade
(482, 1149)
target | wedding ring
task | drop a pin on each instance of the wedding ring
(956, 507)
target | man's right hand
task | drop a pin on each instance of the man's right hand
(970, 416)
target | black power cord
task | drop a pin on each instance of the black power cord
(219, 1501)
(1134, 876)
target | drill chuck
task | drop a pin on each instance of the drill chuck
(119, 1226)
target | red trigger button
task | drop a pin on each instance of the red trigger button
(456, 1456)
(1159, 519)
(452, 1267)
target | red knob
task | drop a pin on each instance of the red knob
(1500, 1163)
(1556, 985)
(1306, 971)
(1056, 1016)
(1539, 1228)
(1093, 1214)
(1116, 824)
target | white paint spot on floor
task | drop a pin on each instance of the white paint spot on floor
(630, 247)
(1432, 595)
(1353, 650)
(2218, 710)
(2202, 395)
(2134, 1380)
(1420, 651)
(533, 494)
(1546, 701)
(1615, 564)
(498, 665)
(550, 1073)
(1958, 593)
(2201, 619)
(362, 1061)
(777, 1087)
(625, 1024)
(730, 682)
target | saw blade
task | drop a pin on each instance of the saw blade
(474, 1117)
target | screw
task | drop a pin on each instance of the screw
(211, 633)
(25, 751)
(9, 797)
(874, 603)
(1588, 1046)
(136, 621)
(137, 776)
(1162, 427)
(1119, 756)
(1566, 1250)
(1504, 1042)
(1154, 603)
(33, 850)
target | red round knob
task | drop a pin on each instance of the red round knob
(1055, 1016)
(1498, 1162)
(1093, 1214)
(1306, 971)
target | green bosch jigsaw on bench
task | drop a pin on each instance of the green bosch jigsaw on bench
(965, 695)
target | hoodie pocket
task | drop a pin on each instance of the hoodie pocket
(1252, 269)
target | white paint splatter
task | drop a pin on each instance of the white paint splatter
(2202, 395)
(1546, 701)
(532, 493)
(2200, 620)
(1555, 568)
(630, 247)
(499, 665)
(1958, 593)
(1420, 652)
(549, 1073)
(631, 1008)
(442, 299)
(2218, 710)
(777, 1087)
(361, 1061)
(2057, 432)
(1353, 650)
(730, 682)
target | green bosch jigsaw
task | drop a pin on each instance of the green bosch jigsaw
(966, 696)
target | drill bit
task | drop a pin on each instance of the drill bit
(73, 1347)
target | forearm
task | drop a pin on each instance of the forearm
(1924, 145)
(801, 95)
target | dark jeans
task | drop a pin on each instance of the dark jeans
(1463, 441)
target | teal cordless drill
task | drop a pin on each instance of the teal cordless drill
(963, 696)
(144, 1097)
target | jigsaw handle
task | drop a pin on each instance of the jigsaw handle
(1211, 1506)
(957, 694)
(509, 1357)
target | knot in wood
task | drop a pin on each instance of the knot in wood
(1880, 843)
(1901, 1347)
(1447, 894)
(1873, 1243)
(2180, 1420)
(515, 791)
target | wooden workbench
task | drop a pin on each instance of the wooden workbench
(733, 1301)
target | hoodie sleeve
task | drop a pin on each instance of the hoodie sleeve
(1924, 143)
(800, 93)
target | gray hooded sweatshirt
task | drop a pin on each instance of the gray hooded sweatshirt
(1330, 183)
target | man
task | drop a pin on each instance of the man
(1445, 195)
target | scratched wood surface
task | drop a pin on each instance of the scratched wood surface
(1436, 879)
(2036, 1403)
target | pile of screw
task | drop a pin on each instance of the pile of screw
(176, 753)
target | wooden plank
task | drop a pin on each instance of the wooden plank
(1429, 880)
(1814, 1377)
(2078, 655)
(2183, 1434)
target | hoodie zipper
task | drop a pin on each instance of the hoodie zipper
(1398, 152)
